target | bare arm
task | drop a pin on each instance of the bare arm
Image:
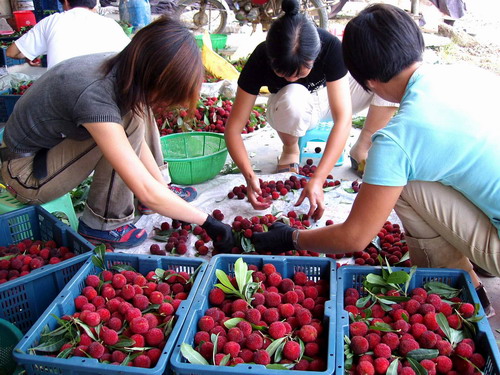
(369, 212)
(13, 52)
(113, 142)
(149, 162)
(378, 117)
(340, 105)
(237, 120)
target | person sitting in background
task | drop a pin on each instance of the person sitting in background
(436, 162)
(77, 31)
(90, 114)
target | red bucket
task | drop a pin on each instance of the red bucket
(24, 18)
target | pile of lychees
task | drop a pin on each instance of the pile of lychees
(177, 235)
(282, 322)
(20, 259)
(278, 189)
(210, 115)
(392, 247)
(122, 318)
(423, 332)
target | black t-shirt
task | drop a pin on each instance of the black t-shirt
(328, 66)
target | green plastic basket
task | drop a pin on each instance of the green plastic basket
(10, 336)
(194, 157)
(218, 41)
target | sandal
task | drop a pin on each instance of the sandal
(292, 167)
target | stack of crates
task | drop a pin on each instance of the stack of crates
(23, 300)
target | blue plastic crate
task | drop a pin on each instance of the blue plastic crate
(353, 277)
(44, 8)
(63, 304)
(8, 61)
(23, 300)
(315, 268)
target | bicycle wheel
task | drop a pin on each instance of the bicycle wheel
(316, 10)
(203, 15)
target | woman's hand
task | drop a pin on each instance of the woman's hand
(253, 194)
(314, 192)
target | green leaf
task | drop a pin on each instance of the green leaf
(393, 368)
(240, 271)
(258, 328)
(168, 328)
(384, 327)
(124, 342)
(362, 301)
(246, 244)
(279, 352)
(54, 344)
(214, 338)
(395, 298)
(275, 211)
(442, 289)
(222, 277)
(192, 355)
(413, 270)
(271, 349)
(159, 273)
(160, 238)
(420, 354)
(405, 257)
(444, 325)
(66, 353)
(86, 329)
(122, 267)
(398, 277)
(9, 257)
(250, 290)
(225, 360)
(417, 367)
(225, 289)
(233, 322)
(375, 279)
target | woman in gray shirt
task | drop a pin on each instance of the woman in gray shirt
(93, 113)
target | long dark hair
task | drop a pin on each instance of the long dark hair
(292, 41)
(161, 66)
(380, 42)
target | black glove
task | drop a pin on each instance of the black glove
(277, 240)
(220, 233)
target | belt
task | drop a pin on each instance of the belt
(6, 154)
(39, 160)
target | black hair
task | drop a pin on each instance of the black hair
(91, 4)
(380, 42)
(161, 66)
(292, 41)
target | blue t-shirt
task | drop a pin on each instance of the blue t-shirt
(446, 131)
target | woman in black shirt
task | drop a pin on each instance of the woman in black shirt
(303, 68)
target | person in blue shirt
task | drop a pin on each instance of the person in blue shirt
(437, 162)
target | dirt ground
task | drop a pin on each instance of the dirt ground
(474, 38)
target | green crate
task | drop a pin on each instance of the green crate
(194, 157)
(218, 41)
